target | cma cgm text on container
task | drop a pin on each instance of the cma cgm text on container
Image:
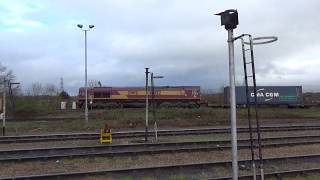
(276, 95)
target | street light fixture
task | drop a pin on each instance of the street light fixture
(86, 79)
(154, 104)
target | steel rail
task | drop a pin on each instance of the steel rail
(277, 174)
(131, 134)
(178, 167)
(153, 148)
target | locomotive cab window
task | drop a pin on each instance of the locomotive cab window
(102, 95)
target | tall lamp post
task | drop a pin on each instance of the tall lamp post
(154, 104)
(85, 58)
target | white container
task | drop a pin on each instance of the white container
(63, 105)
(74, 105)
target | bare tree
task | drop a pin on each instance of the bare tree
(6, 76)
(36, 89)
(16, 90)
(10, 76)
(3, 70)
(8, 84)
(50, 90)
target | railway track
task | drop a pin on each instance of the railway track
(132, 134)
(149, 148)
(167, 170)
(277, 174)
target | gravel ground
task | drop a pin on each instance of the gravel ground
(98, 163)
(218, 171)
(309, 176)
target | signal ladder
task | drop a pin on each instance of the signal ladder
(247, 64)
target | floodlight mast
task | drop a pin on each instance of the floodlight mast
(229, 19)
(86, 79)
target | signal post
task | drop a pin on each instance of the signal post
(229, 19)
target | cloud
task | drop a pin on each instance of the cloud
(13, 16)
(180, 39)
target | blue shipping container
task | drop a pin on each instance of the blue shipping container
(277, 95)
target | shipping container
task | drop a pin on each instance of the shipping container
(272, 95)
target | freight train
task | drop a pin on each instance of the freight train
(165, 96)
(188, 96)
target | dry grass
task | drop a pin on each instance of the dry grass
(172, 117)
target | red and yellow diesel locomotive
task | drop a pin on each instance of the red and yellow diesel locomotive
(100, 97)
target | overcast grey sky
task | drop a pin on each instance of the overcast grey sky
(179, 39)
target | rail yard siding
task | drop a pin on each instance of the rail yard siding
(277, 95)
